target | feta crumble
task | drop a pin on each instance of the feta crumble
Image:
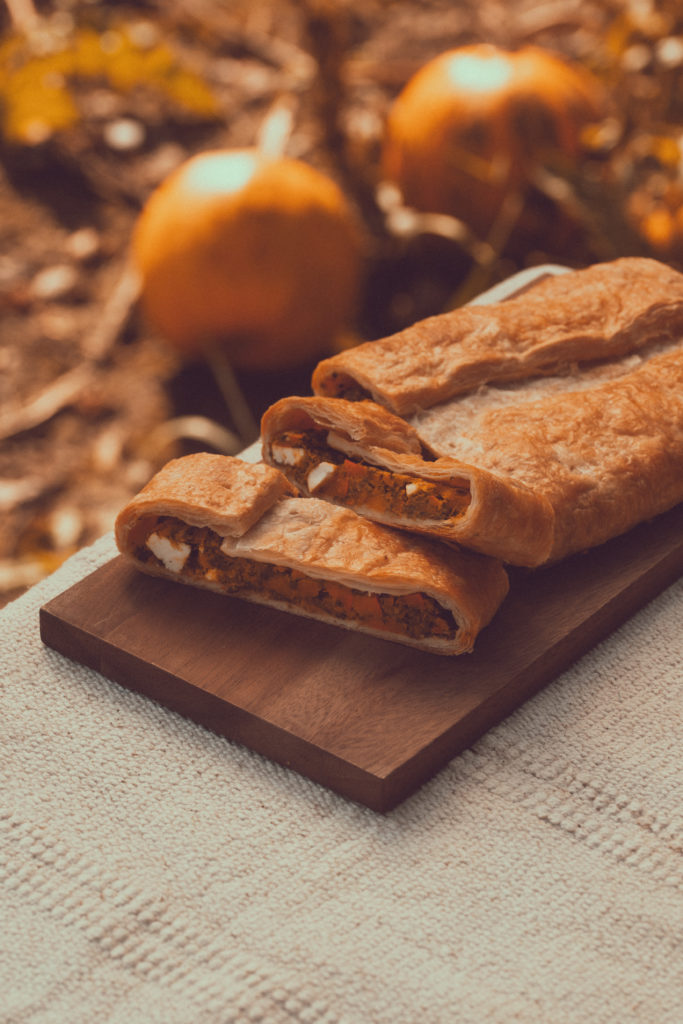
(319, 474)
(286, 456)
(172, 555)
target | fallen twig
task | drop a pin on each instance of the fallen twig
(25, 415)
(114, 315)
(67, 388)
(19, 492)
(194, 428)
(21, 573)
(23, 14)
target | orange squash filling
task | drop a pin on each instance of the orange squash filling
(415, 614)
(339, 385)
(316, 468)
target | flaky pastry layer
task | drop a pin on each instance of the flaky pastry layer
(602, 312)
(604, 457)
(500, 516)
(551, 470)
(166, 532)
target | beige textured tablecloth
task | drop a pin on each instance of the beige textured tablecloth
(152, 872)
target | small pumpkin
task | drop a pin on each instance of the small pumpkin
(260, 257)
(474, 122)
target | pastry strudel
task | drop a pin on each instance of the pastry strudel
(528, 470)
(238, 528)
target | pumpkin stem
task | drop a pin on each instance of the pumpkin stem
(276, 129)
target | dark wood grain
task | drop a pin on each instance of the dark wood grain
(367, 718)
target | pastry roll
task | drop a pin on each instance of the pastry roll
(602, 312)
(216, 522)
(528, 470)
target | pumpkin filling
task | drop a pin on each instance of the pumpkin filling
(195, 554)
(309, 460)
(340, 385)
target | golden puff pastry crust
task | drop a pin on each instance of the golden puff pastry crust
(381, 579)
(555, 466)
(602, 312)
(206, 490)
(364, 423)
(503, 517)
(605, 453)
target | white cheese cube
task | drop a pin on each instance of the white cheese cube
(287, 456)
(319, 474)
(412, 489)
(172, 555)
(336, 441)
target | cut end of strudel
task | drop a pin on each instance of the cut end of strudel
(219, 523)
(362, 457)
(528, 430)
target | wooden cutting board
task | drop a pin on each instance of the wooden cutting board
(368, 718)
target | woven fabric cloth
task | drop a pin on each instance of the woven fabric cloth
(153, 872)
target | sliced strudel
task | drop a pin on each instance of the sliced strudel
(360, 456)
(527, 459)
(219, 523)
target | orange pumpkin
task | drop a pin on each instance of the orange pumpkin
(473, 123)
(258, 256)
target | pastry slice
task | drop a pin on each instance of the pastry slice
(361, 456)
(216, 522)
(605, 311)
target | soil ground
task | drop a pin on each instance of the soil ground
(91, 402)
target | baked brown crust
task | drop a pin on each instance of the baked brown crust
(605, 457)
(364, 423)
(601, 312)
(555, 465)
(206, 490)
(505, 518)
(316, 538)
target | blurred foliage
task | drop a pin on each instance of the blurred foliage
(189, 75)
(37, 73)
(643, 47)
(628, 193)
